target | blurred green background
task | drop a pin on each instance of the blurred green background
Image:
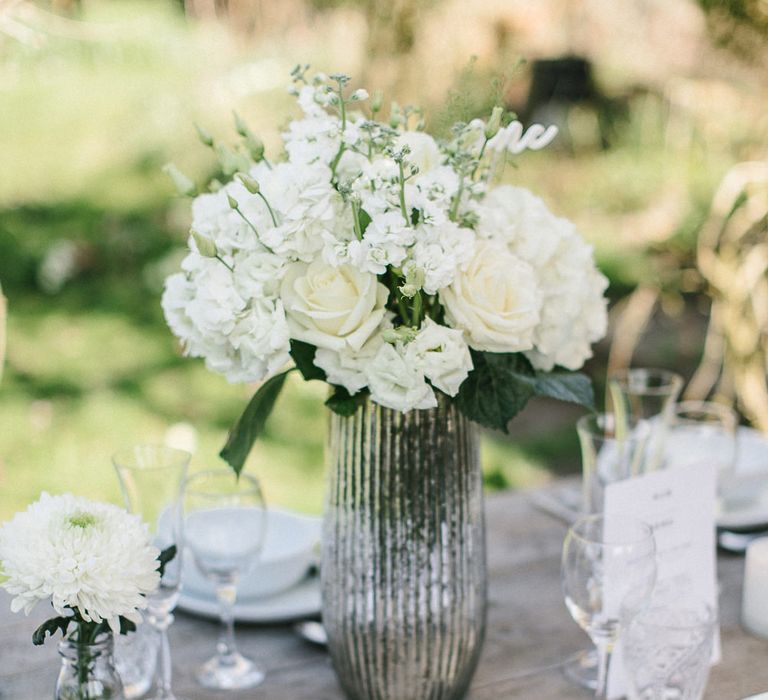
(95, 96)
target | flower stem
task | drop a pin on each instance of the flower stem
(480, 157)
(253, 228)
(403, 208)
(225, 263)
(416, 311)
(455, 208)
(356, 219)
(271, 213)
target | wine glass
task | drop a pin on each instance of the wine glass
(225, 525)
(608, 574)
(151, 478)
(644, 394)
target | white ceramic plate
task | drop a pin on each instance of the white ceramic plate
(303, 600)
(747, 505)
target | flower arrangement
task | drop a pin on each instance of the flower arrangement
(93, 561)
(385, 262)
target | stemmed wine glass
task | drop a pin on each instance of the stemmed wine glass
(608, 574)
(151, 478)
(225, 525)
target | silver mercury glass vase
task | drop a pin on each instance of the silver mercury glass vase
(403, 569)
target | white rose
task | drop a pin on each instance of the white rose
(332, 307)
(495, 300)
(442, 354)
(425, 153)
(396, 383)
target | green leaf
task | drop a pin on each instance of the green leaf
(251, 423)
(50, 627)
(566, 386)
(343, 403)
(166, 556)
(364, 219)
(126, 625)
(497, 389)
(303, 355)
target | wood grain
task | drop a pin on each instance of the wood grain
(530, 633)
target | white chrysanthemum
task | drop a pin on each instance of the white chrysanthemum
(397, 383)
(93, 557)
(573, 310)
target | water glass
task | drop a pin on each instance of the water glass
(610, 451)
(703, 432)
(151, 478)
(646, 394)
(608, 574)
(225, 525)
(667, 651)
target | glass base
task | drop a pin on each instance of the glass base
(582, 669)
(232, 673)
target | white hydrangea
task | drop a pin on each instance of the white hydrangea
(573, 310)
(226, 318)
(442, 354)
(397, 383)
(306, 206)
(93, 557)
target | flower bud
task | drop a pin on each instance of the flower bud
(204, 135)
(249, 183)
(408, 290)
(232, 201)
(184, 185)
(255, 147)
(230, 161)
(494, 123)
(240, 126)
(376, 102)
(205, 246)
(403, 334)
(359, 95)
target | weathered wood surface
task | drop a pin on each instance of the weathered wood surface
(529, 632)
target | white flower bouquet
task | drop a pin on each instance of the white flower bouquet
(93, 562)
(385, 262)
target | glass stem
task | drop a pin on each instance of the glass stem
(604, 654)
(226, 594)
(164, 672)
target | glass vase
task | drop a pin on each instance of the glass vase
(403, 569)
(88, 671)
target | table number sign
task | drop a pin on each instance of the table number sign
(680, 506)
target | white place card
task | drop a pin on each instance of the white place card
(680, 505)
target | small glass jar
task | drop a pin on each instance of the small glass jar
(88, 671)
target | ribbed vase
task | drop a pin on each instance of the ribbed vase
(403, 570)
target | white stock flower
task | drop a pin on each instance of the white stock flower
(442, 354)
(385, 242)
(93, 557)
(425, 153)
(439, 251)
(332, 307)
(397, 383)
(495, 300)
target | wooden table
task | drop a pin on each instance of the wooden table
(529, 632)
